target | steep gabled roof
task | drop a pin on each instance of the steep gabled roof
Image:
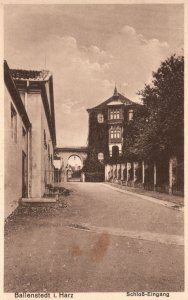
(116, 97)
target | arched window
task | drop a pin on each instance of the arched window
(100, 156)
(100, 118)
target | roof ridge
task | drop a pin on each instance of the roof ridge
(115, 98)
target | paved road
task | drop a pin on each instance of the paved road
(103, 241)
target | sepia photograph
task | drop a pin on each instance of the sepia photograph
(93, 149)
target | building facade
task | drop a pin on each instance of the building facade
(17, 139)
(107, 125)
(30, 135)
(109, 132)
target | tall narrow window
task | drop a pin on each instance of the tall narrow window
(115, 133)
(112, 133)
(100, 118)
(117, 113)
(118, 133)
(13, 123)
(111, 115)
(100, 156)
(130, 114)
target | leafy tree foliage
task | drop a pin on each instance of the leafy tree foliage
(92, 163)
(158, 126)
(98, 134)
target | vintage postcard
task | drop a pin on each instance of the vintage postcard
(93, 143)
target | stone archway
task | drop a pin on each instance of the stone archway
(75, 165)
(65, 154)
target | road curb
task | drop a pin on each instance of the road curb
(167, 204)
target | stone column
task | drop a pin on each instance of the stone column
(114, 168)
(118, 169)
(107, 170)
(155, 175)
(143, 173)
(172, 176)
(135, 167)
(111, 171)
(128, 168)
(122, 172)
(106, 173)
(83, 177)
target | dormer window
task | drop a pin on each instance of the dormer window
(130, 114)
(100, 118)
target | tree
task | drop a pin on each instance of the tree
(158, 126)
(92, 163)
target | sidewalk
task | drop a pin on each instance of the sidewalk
(177, 200)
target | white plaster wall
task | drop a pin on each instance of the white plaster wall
(47, 168)
(42, 169)
(13, 159)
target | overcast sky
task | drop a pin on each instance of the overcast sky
(89, 48)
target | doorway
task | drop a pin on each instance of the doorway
(74, 168)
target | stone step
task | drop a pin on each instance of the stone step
(38, 201)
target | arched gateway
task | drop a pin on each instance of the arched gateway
(71, 161)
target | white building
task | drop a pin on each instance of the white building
(30, 135)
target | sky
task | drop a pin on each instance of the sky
(89, 48)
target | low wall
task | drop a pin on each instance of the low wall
(148, 176)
